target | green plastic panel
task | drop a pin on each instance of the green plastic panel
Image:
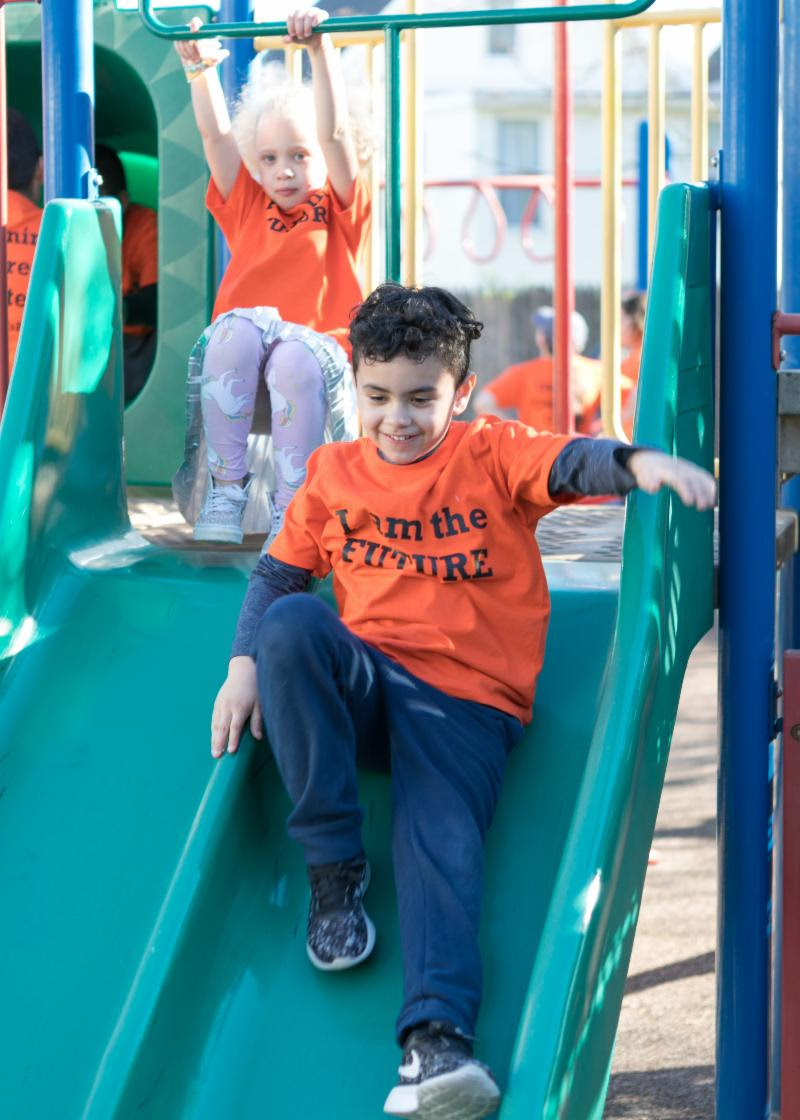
(141, 178)
(153, 920)
(143, 106)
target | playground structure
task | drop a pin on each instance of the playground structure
(168, 962)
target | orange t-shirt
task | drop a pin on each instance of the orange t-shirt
(528, 387)
(304, 261)
(24, 220)
(435, 563)
(139, 254)
(630, 386)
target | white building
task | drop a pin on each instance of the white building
(488, 111)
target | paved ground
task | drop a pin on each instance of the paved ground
(664, 1059)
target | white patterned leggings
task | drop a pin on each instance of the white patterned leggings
(235, 358)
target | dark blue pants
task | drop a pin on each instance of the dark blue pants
(330, 701)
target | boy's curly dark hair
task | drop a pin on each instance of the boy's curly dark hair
(418, 323)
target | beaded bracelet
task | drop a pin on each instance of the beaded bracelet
(193, 70)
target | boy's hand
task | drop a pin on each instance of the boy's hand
(300, 25)
(236, 702)
(653, 469)
(197, 55)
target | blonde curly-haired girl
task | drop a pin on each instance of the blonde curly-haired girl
(286, 191)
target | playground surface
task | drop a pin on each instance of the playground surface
(664, 1057)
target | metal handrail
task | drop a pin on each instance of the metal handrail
(401, 21)
(616, 15)
(540, 186)
(392, 25)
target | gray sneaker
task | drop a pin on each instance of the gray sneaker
(340, 934)
(222, 513)
(440, 1079)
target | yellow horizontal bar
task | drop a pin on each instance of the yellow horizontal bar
(343, 39)
(671, 19)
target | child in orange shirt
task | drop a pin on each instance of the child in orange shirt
(527, 387)
(139, 272)
(633, 310)
(427, 524)
(25, 176)
(286, 192)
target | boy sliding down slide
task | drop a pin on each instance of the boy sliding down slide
(428, 526)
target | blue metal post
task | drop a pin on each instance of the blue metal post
(68, 98)
(233, 75)
(234, 68)
(749, 205)
(789, 637)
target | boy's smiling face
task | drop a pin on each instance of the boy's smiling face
(406, 407)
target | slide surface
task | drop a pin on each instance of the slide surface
(154, 910)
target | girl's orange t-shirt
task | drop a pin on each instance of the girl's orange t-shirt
(435, 563)
(303, 261)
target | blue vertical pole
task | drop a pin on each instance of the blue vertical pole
(68, 98)
(234, 68)
(749, 203)
(790, 301)
(233, 75)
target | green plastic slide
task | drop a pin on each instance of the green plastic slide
(153, 960)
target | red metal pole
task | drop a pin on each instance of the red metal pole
(4, 370)
(564, 299)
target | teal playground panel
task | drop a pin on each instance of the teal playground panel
(154, 963)
(143, 111)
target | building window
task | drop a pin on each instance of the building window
(517, 154)
(502, 38)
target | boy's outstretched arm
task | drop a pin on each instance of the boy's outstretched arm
(587, 467)
(237, 700)
(330, 101)
(199, 58)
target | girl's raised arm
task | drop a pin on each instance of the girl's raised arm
(199, 58)
(330, 102)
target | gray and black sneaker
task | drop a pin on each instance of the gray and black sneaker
(340, 935)
(440, 1079)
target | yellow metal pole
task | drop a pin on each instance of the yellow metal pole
(611, 293)
(656, 113)
(673, 19)
(341, 39)
(699, 107)
(413, 223)
(293, 60)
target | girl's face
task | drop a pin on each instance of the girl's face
(290, 160)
